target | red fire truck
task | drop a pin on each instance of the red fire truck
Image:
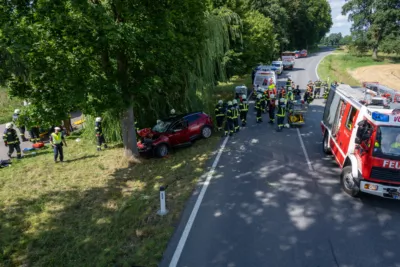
(390, 94)
(362, 132)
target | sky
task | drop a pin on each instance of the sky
(340, 23)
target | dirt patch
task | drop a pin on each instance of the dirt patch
(388, 75)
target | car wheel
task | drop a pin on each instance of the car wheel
(325, 144)
(347, 182)
(161, 150)
(206, 132)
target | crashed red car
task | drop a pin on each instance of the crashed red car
(177, 131)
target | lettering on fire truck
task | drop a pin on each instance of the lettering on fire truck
(397, 119)
(391, 164)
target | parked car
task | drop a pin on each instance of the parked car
(277, 66)
(297, 54)
(303, 53)
(174, 132)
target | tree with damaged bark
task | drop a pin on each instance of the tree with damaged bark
(376, 22)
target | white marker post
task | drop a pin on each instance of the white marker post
(163, 211)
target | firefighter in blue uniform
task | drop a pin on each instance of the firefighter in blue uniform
(219, 114)
(229, 126)
(281, 114)
(244, 108)
(10, 138)
(236, 115)
(259, 108)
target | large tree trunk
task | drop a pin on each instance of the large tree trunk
(375, 53)
(129, 133)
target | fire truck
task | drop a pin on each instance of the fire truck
(362, 131)
(390, 94)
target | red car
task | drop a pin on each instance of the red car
(297, 54)
(173, 132)
(303, 53)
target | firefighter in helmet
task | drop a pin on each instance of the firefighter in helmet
(236, 115)
(281, 113)
(10, 138)
(229, 125)
(244, 108)
(259, 108)
(219, 114)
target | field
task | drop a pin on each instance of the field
(97, 208)
(341, 66)
(388, 75)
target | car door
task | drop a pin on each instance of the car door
(178, 133)
(194, 126)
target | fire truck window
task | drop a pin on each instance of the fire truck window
(331, 108)
(349, 121)
(338, 117)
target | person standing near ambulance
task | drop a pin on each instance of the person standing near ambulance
(56, 140)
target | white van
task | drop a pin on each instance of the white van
(263, 79)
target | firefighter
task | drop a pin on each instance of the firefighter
(10, 138)
(229, 126)
(56, 140)
(308, 95)
(282, 93)
(19, 120)
(33, 130)
(289, 100)
(99, 134)
(289, 82)
(396, 144)
(297, 93)
(219, 114)
(259, 108)
(281, 113)
(263, 101)
(236, 115)
(271, 104)
(317, 90)
(244, 108)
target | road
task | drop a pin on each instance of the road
(266, 206)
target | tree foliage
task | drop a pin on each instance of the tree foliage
(375, 22)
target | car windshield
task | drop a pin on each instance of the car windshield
(276, 65)
(387, 143)
(162, 126)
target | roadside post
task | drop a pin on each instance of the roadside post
(163, 210)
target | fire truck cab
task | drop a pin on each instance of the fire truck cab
(362, 132)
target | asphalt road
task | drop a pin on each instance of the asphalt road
(266, 206)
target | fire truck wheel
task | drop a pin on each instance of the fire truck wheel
(348, 183)
(325, 145)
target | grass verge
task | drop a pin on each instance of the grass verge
(339, 64)
(7, 106)
(226, 91)
(97, 209)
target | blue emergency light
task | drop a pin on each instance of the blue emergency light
(380, 117)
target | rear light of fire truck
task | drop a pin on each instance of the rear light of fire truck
(371, 187)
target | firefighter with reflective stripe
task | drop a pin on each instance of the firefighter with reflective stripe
(259, 108)
(271, 105)
(19, 120)
(317, 90)
(229, 126)
(10, 138)
(99, 134)
(236, 115)
(289, 100)
(308, 94)
(219, 114)
(56, 140)
(289, 82)
(281, 113)
(244, 108)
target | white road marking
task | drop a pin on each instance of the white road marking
(189, 224)
(304, 151)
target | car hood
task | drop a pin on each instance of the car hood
(144, 132)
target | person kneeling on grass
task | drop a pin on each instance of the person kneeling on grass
(56, 140)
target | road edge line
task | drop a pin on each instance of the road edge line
(189, 223)
(304, 150)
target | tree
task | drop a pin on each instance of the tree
(345, 40)
(378, 19)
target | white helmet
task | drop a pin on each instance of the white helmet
(244, 97)
(158, 121)
(9, 125)
(234, 101)
(282, 101)
(259, 96)
(272, 96)
(229, 103)
(220, 102)
(98, 119)
(172, 111)
(289, 88)
(17, 111)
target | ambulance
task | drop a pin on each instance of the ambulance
(362, 131)
(263, 79)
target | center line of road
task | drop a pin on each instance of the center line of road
(189, 224)
(304, 150)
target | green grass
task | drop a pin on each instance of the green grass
(339, 64)
(98, 209)
(226, 91)
(7, 106)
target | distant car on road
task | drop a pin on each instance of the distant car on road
(277, 66)
(174, 132)
(303, 53)
(297, 54)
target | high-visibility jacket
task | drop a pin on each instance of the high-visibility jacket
(219, 110)
(395, 145)
(271, 94)
(258, 104)
(57, 138)
(98, 128)
(244, 107)
(229, 113)
(290, 96)
(235, 112)
(10, 137)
